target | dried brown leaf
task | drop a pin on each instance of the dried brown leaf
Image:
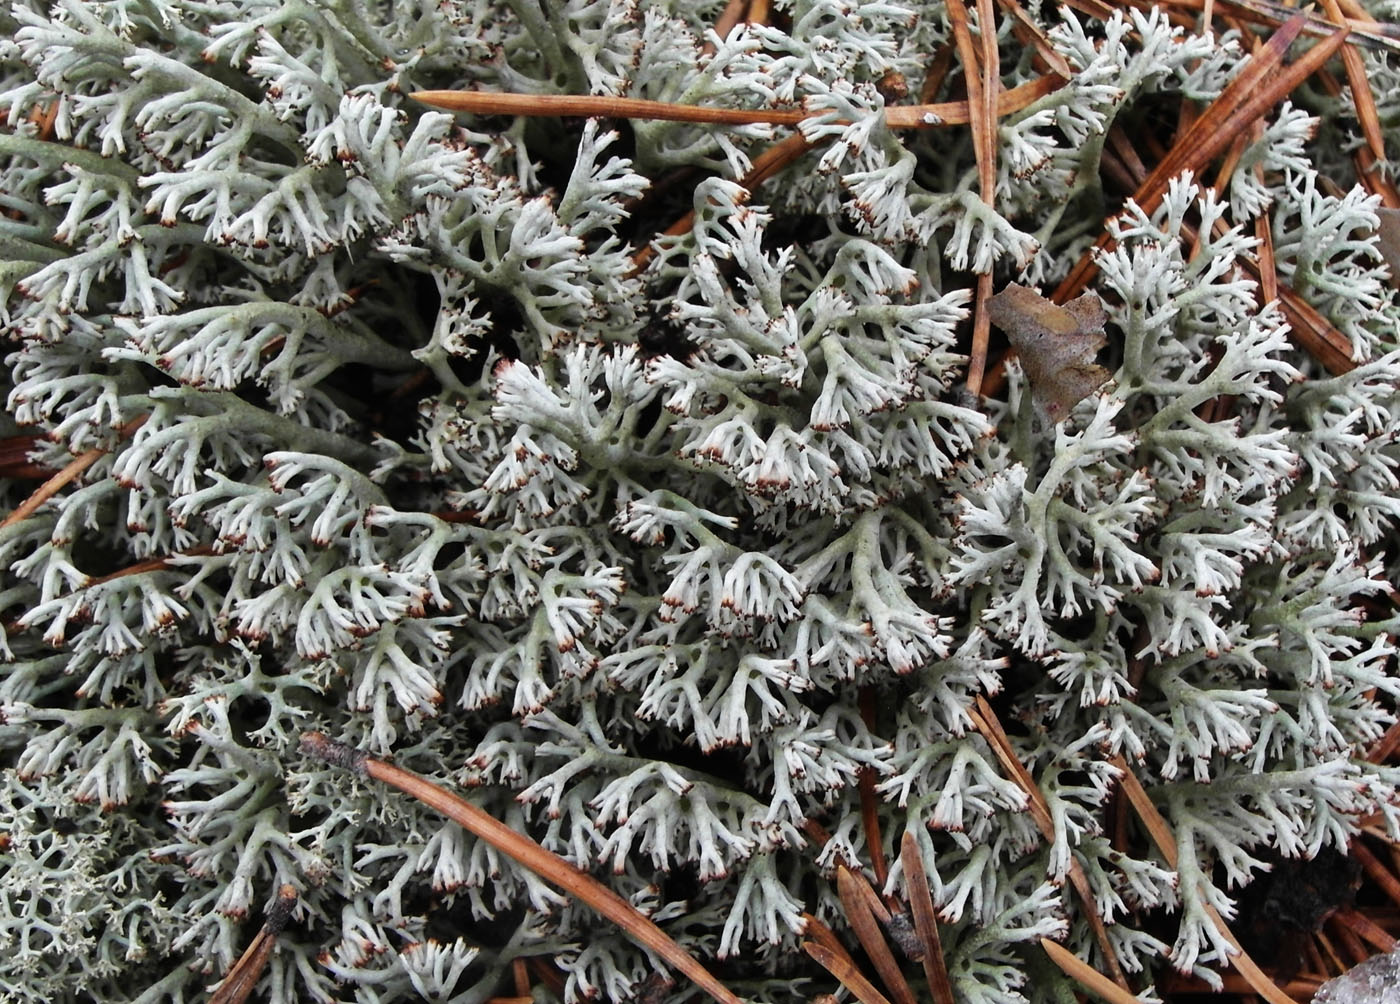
(1056, 344)
(1388, 241)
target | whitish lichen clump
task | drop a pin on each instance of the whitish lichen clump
(393, 440)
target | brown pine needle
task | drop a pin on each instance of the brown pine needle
(951, 113)
(1127, 155)
(1385, 745)
(55, 484)
(984, 114)
(1206, 129)
(1094, 8)
(948, 113)
(1366, 31)
(878, 909)
(1161, 835)
(1216, 129)
(728, 18)
(870, 823)
(1268, 269)
(238, 984)
(781, 155)
(980, 70)
(988, 58)
(767, 164)
(588, 105)
(1314, 959)
(984, 719)
(845, 972)
(1172, 982)
(868, 933)
(520, 975)
(1332, 958)
(1310, 329)
(938, 68)
(981, 335)
(14, 459)
(150, 565)
(821, 934)
(1182, 154)
(1263, 233)
(1086, 975)
(1354, 10)
(1030, 34)
(1377, 872)
(869, 805)
(1233, 153)
(1367, 167)
(1156, 825)
(1245, 99)
(1361, 97)
(925, 920)
(521, 849)
(548, 974)
(1356, 949)
(978, 94)
(1366, 929)
(44, 115)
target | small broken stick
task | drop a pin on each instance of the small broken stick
(1056, 345)
(238, 984)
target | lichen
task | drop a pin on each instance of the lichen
(380, 430)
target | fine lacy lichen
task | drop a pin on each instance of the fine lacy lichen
(395, 442)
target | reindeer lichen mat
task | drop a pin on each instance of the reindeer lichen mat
(897, 496)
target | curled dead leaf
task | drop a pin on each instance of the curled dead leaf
(1056, 345)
